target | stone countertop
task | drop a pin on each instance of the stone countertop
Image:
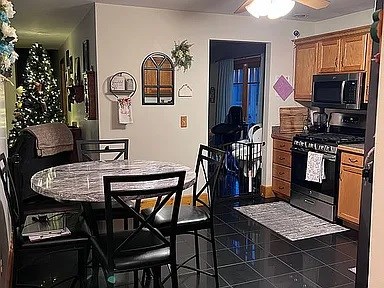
(281, 136)
(83, 181)
(353, 148)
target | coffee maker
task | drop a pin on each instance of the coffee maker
(319, 122)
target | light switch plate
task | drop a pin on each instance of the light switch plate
(183, 121)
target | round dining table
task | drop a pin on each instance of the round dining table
(83, 181)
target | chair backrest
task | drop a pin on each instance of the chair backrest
(120, 188)
(255, 133)
(9, 191)
(91, 150)
(235, 115)
(24, 163)
(6, 251)
(208, 166)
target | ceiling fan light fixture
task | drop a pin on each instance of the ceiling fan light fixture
(272, 8)
(280, 8)
(259, 8)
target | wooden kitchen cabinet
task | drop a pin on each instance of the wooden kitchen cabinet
(337, 52)
(350, 187)
(281, 168)
(328, 56)
(305, 68)
(353, 51)
(345, 54)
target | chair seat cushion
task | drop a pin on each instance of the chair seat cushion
(144, 250)
(188, 216)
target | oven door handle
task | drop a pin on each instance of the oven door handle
(342, 91)
(299, 150)
(329, 157)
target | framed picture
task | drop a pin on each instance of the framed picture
(77, 72)
(70, 67)
(67, 58)
(86, 55)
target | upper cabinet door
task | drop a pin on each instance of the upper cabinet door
(328, 56)
(305, 68)
(353, 53)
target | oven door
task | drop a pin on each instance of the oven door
(325, 191)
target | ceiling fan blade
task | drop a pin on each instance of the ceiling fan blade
(242, 9)
(315, 4)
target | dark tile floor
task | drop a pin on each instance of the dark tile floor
(251, 255)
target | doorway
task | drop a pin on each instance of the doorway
(236, 97)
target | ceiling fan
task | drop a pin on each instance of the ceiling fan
(315, 4)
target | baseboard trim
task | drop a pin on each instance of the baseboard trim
(185, 200)
(266, 192)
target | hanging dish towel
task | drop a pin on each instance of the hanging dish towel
(315, 171)
(125, 110)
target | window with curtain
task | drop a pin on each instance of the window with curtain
(246, 88)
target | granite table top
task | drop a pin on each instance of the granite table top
(83, 181)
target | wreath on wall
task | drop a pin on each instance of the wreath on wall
(181, 55)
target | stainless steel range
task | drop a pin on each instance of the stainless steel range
(321, 198)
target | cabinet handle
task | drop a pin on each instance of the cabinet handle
(282, 145)
(353, 160)
(281, 158)
(309, 201)
(342, 62)
(281, 173)
(281, 187)
(336, 62)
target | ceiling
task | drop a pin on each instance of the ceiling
(50, 21)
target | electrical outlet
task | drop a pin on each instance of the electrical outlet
(1, 266)
(183, 121)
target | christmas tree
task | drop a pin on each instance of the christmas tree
(40, 101)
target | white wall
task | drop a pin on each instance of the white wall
(125, 35)
(84, 30)
(4, 148)
(376, 276)
(344, 22)
(10, 100)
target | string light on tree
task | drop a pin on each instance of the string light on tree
(39, 103)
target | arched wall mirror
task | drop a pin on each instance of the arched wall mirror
(157, 73)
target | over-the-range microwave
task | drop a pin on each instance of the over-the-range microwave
(344, 91)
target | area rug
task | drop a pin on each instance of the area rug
(288, 221)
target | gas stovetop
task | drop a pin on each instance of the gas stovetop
(330, 138)
(324, 142)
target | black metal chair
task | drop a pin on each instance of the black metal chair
(142, 247)
(78, 240)
(199, 215)
(23, 163)
(91, 150)
(232, 129)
